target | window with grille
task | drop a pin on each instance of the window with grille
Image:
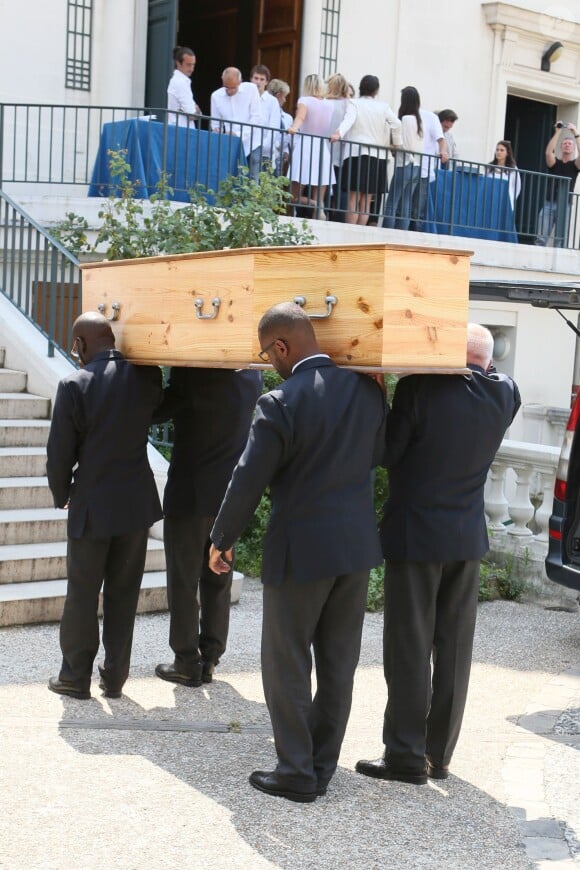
(329, 37)
(78, 45)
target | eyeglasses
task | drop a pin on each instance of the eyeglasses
(73, 351)
(263, 354)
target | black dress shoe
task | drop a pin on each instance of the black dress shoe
(276, 786)
(437, 771)
(62, 687)
(321, 788)
(383, 769)
(169, 673)
(108, 690)
(207, 672)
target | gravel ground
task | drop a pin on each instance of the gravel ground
(158, 778)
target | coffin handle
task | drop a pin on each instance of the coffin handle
(116, 306)
(329, 300)
(199, 305)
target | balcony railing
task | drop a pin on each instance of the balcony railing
(44, 145)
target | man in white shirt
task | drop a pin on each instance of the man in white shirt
(234, 107)
(179, 94)
(434, 147)
(270, 109)
(448, 118)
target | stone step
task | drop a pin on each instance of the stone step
(12, 381)
(27, 603)
(23, 406)
(24, 433)
(24, 563)
(22, 462)
(30, 525)
(24, 492)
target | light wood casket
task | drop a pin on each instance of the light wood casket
(385, 307)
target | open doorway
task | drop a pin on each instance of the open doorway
(529, 127)
(222, 33)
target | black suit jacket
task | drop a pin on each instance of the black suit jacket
(101, 421)
(211, 411)
(314, 441)
(442, 435)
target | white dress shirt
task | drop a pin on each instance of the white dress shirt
(432, 134)
(243, 107)
(270, 109)
(180, 99)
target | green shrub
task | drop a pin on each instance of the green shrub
(505, 581)
(376, 593)
(245, 214)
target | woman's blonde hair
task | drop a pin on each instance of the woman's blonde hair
(277, 86)
(337, 87)
(314, 86)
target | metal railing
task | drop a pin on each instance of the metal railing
(39, 276)
(344, 181)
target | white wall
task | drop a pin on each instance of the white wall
(33, 53)
(543, 354)
(454, 58)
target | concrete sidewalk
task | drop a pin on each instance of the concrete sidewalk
(158, 778)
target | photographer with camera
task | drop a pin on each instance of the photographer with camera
(568, 166)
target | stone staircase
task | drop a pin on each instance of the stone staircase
(32, 531)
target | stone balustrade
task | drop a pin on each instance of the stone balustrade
(518, 503)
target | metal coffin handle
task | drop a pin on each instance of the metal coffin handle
(116, 306)
(216, 302)
(330, 302)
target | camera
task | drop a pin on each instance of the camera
(561, 124)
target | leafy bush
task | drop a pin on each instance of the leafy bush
(246, 213)
(376, 593)
(505, 581)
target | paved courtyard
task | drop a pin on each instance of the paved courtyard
(158, 778)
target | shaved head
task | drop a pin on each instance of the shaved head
(285, 318)
(285, 332)
(92, 334)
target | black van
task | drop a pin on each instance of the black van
(563, 561)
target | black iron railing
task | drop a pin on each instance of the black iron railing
(39, 276)
(345, 181)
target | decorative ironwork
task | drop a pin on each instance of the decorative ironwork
(78, 44)
(329, 37)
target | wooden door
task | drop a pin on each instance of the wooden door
(277, 38)
(161, 30)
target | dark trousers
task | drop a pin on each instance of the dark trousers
(419, 204)
(117, 564)
(194, 636)
(325, 617)
(430, 612)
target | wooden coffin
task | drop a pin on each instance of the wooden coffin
(383, 307)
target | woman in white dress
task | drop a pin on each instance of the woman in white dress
(311, 169)
(504, 166)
